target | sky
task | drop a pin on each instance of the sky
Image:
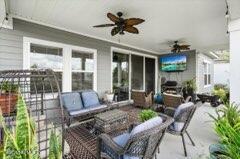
(175, 58)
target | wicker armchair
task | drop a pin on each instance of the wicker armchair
(141, 99)
(172, 100)
(142, 144)
(182, 117)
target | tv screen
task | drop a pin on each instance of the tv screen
(173, 63)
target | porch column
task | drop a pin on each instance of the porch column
(234, 29)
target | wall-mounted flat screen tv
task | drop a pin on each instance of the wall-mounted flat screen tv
(173, 63)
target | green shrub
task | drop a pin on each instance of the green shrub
(221, 86)
(227, 127)
(9, 87)
(221, 93)
(190, 84)
(147, 114)
(55, 148)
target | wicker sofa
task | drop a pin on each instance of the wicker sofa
(82, 105)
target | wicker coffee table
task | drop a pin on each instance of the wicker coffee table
(111, 120)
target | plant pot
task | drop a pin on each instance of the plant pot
(216, 150)
(189, 92)
(8, 103)
(158, 99)
(109, 97)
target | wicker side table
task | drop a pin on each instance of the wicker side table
(111, 120)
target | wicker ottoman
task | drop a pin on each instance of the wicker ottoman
(111, 120)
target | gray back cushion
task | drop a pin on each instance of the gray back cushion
(90, 99)
(149, 124)
(72, 101)
(181, 107)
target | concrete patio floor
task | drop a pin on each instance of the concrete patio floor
(201, 131)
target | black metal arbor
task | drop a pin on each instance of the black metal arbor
(41, 92)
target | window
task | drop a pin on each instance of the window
(207, 73)
(82, 70)
(44, 57)
(132, 70)
(75, 67)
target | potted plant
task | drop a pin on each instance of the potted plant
(8, 97)
(109, 96)
(189, 88)
(147, 114)
(21, 143)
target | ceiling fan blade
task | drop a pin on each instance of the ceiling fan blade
(115, 31)
(133, 21)
(131, 29)
(104, 25)
(113, 18)
(185, 47)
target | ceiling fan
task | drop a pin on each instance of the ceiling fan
(120, 25)
(176, 48)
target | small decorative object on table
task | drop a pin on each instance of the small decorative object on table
(111, 120)
(8, 97)
(109, 96)
(147, 114)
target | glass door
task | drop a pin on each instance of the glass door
(120, 76)
(149, 74)
(137, 72)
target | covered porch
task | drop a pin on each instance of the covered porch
(112, 72)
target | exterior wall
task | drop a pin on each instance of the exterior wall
(11, 48)
(201, 58)
(222, 73)
(188, 74)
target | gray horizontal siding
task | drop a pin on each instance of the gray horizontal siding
(201, 58)
(11, 48)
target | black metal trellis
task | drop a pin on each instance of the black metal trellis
(40, 90)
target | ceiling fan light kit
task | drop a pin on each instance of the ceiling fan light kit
(121, 25)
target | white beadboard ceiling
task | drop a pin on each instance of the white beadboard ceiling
(201, 23)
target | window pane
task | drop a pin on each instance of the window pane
(120, 75)
(150, 74)
(137, 72)
(209, 68)
(82, 61)
(205, 68)
(205, 80)
(45, 85)
(45, 57)
(82, 81)
(209, 79)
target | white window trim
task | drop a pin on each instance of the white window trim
(67, 55)
(208, 63)
(129, 52)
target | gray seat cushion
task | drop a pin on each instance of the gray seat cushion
(90, 98)
(151, 123)
(129, 157)
(72, 101)
(88, 110)
(122, 139)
